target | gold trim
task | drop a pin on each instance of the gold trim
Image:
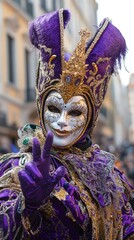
(97, 37)
(61, 36)
(130, 237)
(61, 194)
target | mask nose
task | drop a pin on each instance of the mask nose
(62, 124)
(62, 121)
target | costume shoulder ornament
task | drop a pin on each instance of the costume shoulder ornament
(26, 135)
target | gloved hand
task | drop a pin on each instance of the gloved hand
(36, 183)
(72, 202)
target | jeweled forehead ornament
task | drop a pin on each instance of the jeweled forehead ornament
(73, 70)
(85, 72)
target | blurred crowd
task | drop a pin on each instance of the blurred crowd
(124, 157)
(8, 149)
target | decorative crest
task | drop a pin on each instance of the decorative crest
(74, 70)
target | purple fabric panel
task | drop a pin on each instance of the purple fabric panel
(111, 44)
(10, 219)
(8, 164)
(45, 30)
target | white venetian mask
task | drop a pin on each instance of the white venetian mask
(66, 121)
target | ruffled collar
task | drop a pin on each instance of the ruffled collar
(95, 168)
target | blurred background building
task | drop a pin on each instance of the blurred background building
(18, 68)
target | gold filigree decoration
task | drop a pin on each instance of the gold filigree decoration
(74, 71)
(130, 237)
(46, 69)
(61, 194)
(106, 222)
(96, 81)
(47, 209)
(10, 177)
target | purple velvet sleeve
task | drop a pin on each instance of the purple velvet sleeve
(11, 226)
(10, 220)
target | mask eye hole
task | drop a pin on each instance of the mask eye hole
(53, 109)
(75, 113)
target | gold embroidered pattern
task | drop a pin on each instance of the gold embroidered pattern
(49, 213)
(5, 206)
(47, 209)
(61, 194)
(46, 69)
(27, 225)
(97, 37)
(107, 221)
(10, 178)
(130, 238)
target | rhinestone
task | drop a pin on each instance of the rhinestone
(26, 141)
(77, 82)
(68, 79)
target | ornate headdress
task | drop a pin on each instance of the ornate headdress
(86, 72)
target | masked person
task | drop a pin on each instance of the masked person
(60, 185)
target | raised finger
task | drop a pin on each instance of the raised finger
(36, 150)
(47, 145)
(45, 166)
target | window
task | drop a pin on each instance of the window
(44, 5)
(26, 5)
(27, 67)
(29, 8)
(11, 58)
(103, 111)
(61, 4)
(53, 5)
(48, 6)
(3, 119)
(17, 1)
(30, 92)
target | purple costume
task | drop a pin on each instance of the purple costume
(73, 192)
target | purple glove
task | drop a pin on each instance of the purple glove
(36, 183)
(72, 203)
